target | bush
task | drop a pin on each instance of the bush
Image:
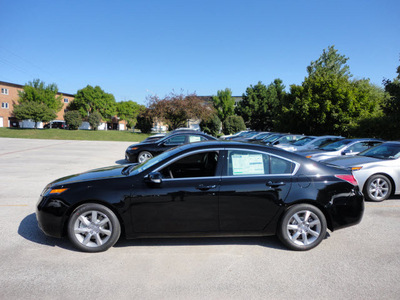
(233, 124)
(211, 126)
(94, 120)
(73, 119)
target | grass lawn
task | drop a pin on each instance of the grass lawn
(61, 134)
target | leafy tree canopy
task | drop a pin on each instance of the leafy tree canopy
(91, 99)
(260, 103)
(233, 124)
(328, 102)
(211, 125)
(177, 109)
(129, 111)
(38, 91)
(224, 104)
(31, 110)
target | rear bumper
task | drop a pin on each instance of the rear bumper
(346, 209)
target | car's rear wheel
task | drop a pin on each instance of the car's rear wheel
(378, 188)
(93, 228)
(302, 227)
(144, 155)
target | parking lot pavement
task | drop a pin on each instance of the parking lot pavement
(360, 262)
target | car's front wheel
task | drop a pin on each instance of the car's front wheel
(302, 227)
(93, 228)
(144, 155)
(378, 188)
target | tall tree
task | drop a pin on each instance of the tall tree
(328, 101)
(224, 104)
(177, 109)
(32, 110)
(38, 91)
(129, 111)
(259, 105)
(91, 99)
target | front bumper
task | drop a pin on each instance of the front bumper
(51, 216)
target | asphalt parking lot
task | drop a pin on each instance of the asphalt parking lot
(360, 262)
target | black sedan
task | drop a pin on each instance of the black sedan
(146, 150)
(211, 188)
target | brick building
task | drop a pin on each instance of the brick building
(9, 96)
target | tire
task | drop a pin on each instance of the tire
(93, 228)
(143, 156)
(378, 188)
(302, 227)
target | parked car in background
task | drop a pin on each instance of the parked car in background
(310, 143)
(245, 136)
(258, 137)
(56, 124)
(281, 139)
(154, 137)
(211, 188)
(144, 151)
(228, 137)
(341, 147)
(377, 170)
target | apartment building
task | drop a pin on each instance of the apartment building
(9, 97)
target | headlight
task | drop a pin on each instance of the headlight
(57, 191)
(133, 148)
(356, 168)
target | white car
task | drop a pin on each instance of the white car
(377, 170)
(309, 143)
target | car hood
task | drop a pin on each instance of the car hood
(351, 161)
(96, 174)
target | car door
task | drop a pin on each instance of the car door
(185, 200)
(253, 186)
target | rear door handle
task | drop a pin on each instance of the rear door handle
(202, 187)
(275, 184)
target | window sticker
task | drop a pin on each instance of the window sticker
(245, 164)
(194, 138)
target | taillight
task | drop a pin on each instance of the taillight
(348, 178)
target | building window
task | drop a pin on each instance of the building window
(4, 105)
(4, 91)
(65, 100)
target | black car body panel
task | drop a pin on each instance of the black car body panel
(227, 200)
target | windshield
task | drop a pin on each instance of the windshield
(136, 169)
(261, 136)
(303, 141)
(383, 151)
(272, 138)
(336, 145)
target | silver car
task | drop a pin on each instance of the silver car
(377, 170)
(349, 147)
(310, 142)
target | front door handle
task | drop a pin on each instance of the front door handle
(202, 187)
(275, 184)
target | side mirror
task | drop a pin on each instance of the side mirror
(346, 152)
(154, 177)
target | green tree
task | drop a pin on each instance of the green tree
(129, 111)
(38, 91)
(32, 110)
(260, 103)
(328, 101)
(91, 99)
(233, 124)
(177, 109)
(145, 121)
(94, 120)
(211, 125)
(224, 104)
(73, 118)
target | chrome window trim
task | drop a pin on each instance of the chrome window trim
(296, 168)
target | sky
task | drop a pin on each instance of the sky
(139, 48)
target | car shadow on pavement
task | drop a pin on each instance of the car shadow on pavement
(122, 162)
(269, 242)
(29, 229)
